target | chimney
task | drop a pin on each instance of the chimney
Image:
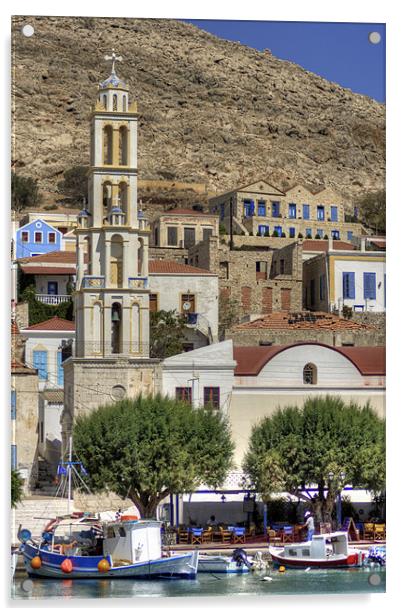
(363, 244)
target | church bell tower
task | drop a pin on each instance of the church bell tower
(111, 359)
(112, 296)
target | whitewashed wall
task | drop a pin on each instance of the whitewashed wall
(50, 342)
(359, 267)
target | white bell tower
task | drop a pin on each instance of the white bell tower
(112, 296)
(111, 359)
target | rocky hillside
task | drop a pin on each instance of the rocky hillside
(212, 111)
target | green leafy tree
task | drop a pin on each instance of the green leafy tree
(24, 192)
(371, 208)
(17, 484)
(166, 333)
(300, 447)
(38, 311)
(147, 448)
(75, 184)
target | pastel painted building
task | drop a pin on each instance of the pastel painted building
(337, 278)
(47, 345)
(36, 238)
(54, 275)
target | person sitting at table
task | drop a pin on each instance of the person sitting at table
(212, 522)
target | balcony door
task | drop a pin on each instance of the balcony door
(52, 288)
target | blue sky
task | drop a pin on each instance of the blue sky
(340, 52)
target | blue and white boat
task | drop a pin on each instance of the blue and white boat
(88, 548)
(238, 562)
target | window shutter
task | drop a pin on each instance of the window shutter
(60, 371)
(40, 364)
(369, 283)
(14, 457)
(348, 285)
(13, 404)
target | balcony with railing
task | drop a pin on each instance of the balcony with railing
(52, 300)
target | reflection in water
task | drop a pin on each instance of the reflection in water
(290, 582)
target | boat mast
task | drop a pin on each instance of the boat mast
(69, 467)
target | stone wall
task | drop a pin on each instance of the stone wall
(24, 382)
(256, 337)
(158, 253)
(247, 273)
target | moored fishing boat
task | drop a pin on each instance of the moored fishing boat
(217, 563)
(87, 548)
(323, 551)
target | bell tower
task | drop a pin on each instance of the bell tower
(111, 300)
(112, 297)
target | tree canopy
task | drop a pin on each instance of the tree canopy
(147, 448)
(372, 210)
(300, 447)
(75, 184)
(24, 192)
(17, 484)
(166, 333)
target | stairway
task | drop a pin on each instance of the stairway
(45, 485)
(34, 512)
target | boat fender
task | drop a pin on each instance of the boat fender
(240, 557)
(103, 566)
(66, 566)
(36, 562)
(282, 569)
(267, 579)
(24, 535)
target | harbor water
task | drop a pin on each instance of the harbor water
(291, 582)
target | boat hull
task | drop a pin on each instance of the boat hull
(352, 560)
(220, 564)
(183, 566)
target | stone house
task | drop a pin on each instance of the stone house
(352, 278)
(260, 209)
(289, 327)
(261, 275)
(182, 228)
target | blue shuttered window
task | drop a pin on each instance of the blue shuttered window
(306, 212)
(320, 212)
(350, 236)
(278, 230)
(308, 232)
(13, 404)
(13, 457)
(275, 209)
(348, 285)
(60, 371)
(369, 284)
(248, 208)
(320, 232)
(263, 229)
(262, 210)
(40, 364)
(335, 234)
(292, 232)
(334, 213)
(292, 210)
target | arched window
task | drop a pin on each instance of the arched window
(124, 102)
(310, 374)
(116, 328)
(107, 145)
(116, 261)
(105, 101)
(140, 256)
(114, 102)
(123, 145)
(107, 199)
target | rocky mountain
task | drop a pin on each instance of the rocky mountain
(212, 111)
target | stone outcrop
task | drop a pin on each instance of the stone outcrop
(212, 111)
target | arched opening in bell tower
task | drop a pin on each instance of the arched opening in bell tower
(107, 145)
(107, 199)
(116, 261)
(116, 329)
(123, 138)
(114, 102)
(123, 197)
(140, 256)
(124, 102)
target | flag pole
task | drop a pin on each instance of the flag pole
(69, 473)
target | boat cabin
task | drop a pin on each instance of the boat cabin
(320, 547)
(132, 541)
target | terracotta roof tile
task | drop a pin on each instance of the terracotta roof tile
(370, 361)
(302, 320)
(53, 324)
(173, 267)
(57, 256)
(322, 245)
(43, 269)
(14, 328)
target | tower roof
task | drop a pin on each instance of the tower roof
(113, 81)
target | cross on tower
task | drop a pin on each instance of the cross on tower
(113, 58)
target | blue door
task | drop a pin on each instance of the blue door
(40, 364)
(320, 212)
(334, 213)
(369, 284)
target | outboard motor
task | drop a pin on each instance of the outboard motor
(377, 555)
(240, 557)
